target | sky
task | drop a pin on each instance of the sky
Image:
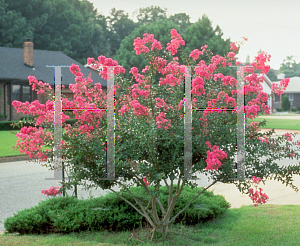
(272, 26)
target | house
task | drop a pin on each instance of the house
(267, 87)
(292, 91)
(17, 64)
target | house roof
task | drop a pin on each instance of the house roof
(268, 81)
(12, 66)
(294, 85)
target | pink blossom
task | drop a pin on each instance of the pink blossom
(195, 54)
(176, 41)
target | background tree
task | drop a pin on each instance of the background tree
(70, 26)
(272, 74)
(13, 27)
(182, 20)
(120, 26)
(286, 105)
(290, 67)
(150, 14)
(201, 33)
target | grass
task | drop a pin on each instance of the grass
(289, 114)
(248, 225)
(7, 140)
(278, 123)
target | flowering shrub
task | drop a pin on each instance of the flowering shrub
(257, 197)
(52, 191)
(149, 126)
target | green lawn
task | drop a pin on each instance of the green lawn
(7, 140)
(248, 225)
(279, 123)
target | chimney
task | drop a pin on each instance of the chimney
(28, 52)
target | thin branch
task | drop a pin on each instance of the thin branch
(191, 202)
(127, 202)
(142, 207)
(161, 206)
(170, 193)
(166, 183)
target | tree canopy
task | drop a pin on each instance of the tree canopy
(201, 33)
(70, 26)
(290, 67)
(75, 28)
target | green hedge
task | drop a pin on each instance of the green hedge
(6, 126)
(69, 214)
(280, 110)
(295, 109)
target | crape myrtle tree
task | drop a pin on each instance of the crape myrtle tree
(149, 128)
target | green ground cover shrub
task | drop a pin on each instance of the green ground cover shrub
(286, 103)
(280, 109)
(69, 214)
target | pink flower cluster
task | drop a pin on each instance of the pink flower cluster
(140, 44)
(174, 73)
(260, 62)
(101, 65)
(282, 86)
(176, 41)
(233, 46)
(214, 157)
(39, 86)
(288, 136)
(198, 86)
(140, 78)
(32, 141)
(196, 53)
(138, 108)
(257, 197)
(52, 191)
(158, 64)
(145, 179)
(264, 139)
(136, 92)
(162, 121)
(161, 103)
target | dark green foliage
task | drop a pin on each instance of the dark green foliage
(272, 74)
(151, 14)
(6, 125)
(13, 26)
(280, 110)
(201, 33)
(73, 27)
(3, 116)
(295, 109)
(120, 26)
(286, 105)
(68, 214)
(290, 67)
